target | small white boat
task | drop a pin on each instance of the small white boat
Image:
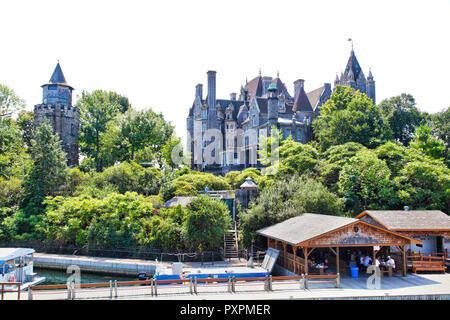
(16, 265)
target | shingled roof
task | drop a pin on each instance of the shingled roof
(302, 102)
(304, 227)
(402, 220)
(352, 65)
(281, 87)
(255, 87)
(314, 96)
(58, 77)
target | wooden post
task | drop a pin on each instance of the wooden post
(337, 260)
(305, 252)
(285, 254)
(294, 250)
(405, 266)
(268, 243)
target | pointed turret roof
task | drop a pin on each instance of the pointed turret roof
(255, 86)
(352, 67)
(281, 87)
(302, 102)
(58, 77)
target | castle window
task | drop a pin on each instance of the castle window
(52, 87)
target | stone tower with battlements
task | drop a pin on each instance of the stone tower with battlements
(57, 107)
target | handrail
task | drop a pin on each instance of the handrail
(169, 281)
(3, 284)
(193, 283)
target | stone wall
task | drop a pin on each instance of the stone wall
(65, 121)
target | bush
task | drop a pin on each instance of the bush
(287, 199)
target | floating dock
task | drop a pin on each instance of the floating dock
(95, 264)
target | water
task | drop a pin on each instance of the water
(60, 277)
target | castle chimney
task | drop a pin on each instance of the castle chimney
(199, 91)
(298, 84)
(233, 96)
(211, 89)
(266, 82)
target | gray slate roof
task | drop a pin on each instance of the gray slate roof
(304, 227)
(411, 219)
(175, 201)
(314, 96)
(58, 77)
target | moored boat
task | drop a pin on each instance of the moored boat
(16, 265)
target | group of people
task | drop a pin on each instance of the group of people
(364, 260)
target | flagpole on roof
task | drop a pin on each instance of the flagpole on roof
(350, 39)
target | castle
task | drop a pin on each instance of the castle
(224, 134)
(57, 107)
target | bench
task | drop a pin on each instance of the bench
(427, 266)
(387, 270)
(322, 278)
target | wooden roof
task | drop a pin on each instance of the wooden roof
(411, 220)
(311, 229)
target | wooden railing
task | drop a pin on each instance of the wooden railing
(193, 284)
(3, 291)
(296, 265)
(427, 262)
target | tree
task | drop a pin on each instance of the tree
(236, 178)
(14, 161)
(430, 146)
(286, 157)
(190, 184)
(395, 155)
(332, 161)
(9, 102)
(48, 171)
(402, 115)
(440, 125)
(287, 199)
(97, 109)
(172, 152)
(206, 223)
(140, 129)
(25, 121)
(350, 116)
(364, 182)
(425, 184)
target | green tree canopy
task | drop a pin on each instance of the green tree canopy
(9, 102)
(403, 116)
(350, 116)
(48, 171)
(206, 223)
(97, 109)
(364, 181)
(287, 199)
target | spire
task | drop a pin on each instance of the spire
(370, 76)
(58, 77)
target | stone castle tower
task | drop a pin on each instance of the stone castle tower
(57, 107)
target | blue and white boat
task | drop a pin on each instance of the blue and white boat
(16, 265)
(179, 271)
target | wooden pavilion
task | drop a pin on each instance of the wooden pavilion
(298, 237)
(431, 227)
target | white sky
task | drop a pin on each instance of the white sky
(155, 52)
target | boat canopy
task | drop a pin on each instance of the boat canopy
(7, 254)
